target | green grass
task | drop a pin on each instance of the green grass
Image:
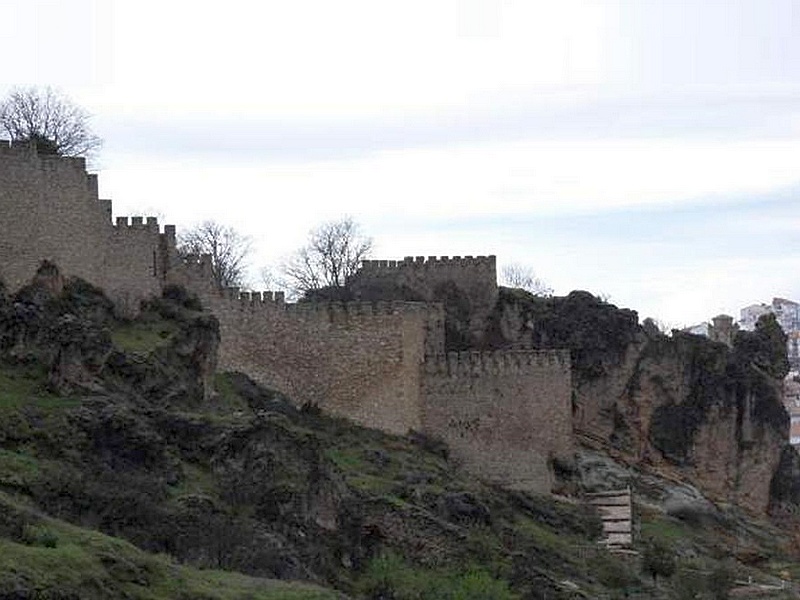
(545, 537)
(143, 336)
(20, 384)
(348, 459)
(196, 481)
(57, 558)
(388, 576)
(26, 385)
(665, 529)
(17, 469)
(227, 400)
(379, 466)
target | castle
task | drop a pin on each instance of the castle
(506, 415)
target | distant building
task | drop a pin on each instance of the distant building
(791, 400)
(787, 313)
(750, 315)
(721, 329)
(700, 329)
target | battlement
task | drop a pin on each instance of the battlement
(354, 310)
(432, 279)
(431, 262)
(27, 150)
(255, 299)
(139, 223)
(377, 360)
(16, 148)
(271, 300)
(499, 362)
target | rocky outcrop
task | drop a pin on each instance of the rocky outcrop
(679, 404)
(66, 326)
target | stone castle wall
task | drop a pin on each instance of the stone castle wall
(432, 279)
(355, 360)
(49, 209)
(506, 415)
(382, 364)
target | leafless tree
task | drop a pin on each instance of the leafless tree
(228, 249)
(268, 279)
(334, 252)
(524, 277)
(51, 120)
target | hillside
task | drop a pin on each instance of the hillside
(706, 413)
(129, 468)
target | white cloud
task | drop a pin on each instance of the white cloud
(424, 120)
(55, 43)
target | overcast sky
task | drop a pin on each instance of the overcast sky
(646, 150)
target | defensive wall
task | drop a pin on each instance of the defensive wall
(356, 360)
(49, 209)
(505, 414)
(431, 279)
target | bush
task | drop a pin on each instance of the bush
(721, 581)
(35, 535)
(658, 559)
(688, 585)
(180, 296)
(389, 577)
(612, 572)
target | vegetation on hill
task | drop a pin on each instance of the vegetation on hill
(129, 469)
(666, 399)
(597, 333)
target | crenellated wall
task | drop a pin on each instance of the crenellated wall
(506, 415)
(49, 209)
(436, 279)
(357, 360)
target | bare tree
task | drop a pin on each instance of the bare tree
(333, 253)
(228, 249)
(51, 120)
(524, 277)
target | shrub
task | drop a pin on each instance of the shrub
(612, 572)
(658, 559)
(180, 296)
(38, 535)
(389, 577)
(721, 581)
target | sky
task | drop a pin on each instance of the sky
(645, 150)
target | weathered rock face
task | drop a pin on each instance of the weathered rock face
(65, 325)
(684, 404)
(785, 486)
(692, 405)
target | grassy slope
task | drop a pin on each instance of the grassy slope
(48, 558)
(399, 492)
(398, 484)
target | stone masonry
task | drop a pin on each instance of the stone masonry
(49, 209)
(506, 415)
(433, 278)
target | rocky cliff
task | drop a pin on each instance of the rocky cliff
(120, 428)
(680, 404)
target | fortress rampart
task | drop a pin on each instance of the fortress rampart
(472, 278)
(357, 360)
(505, 414)
(49, 209)
(485, 263)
